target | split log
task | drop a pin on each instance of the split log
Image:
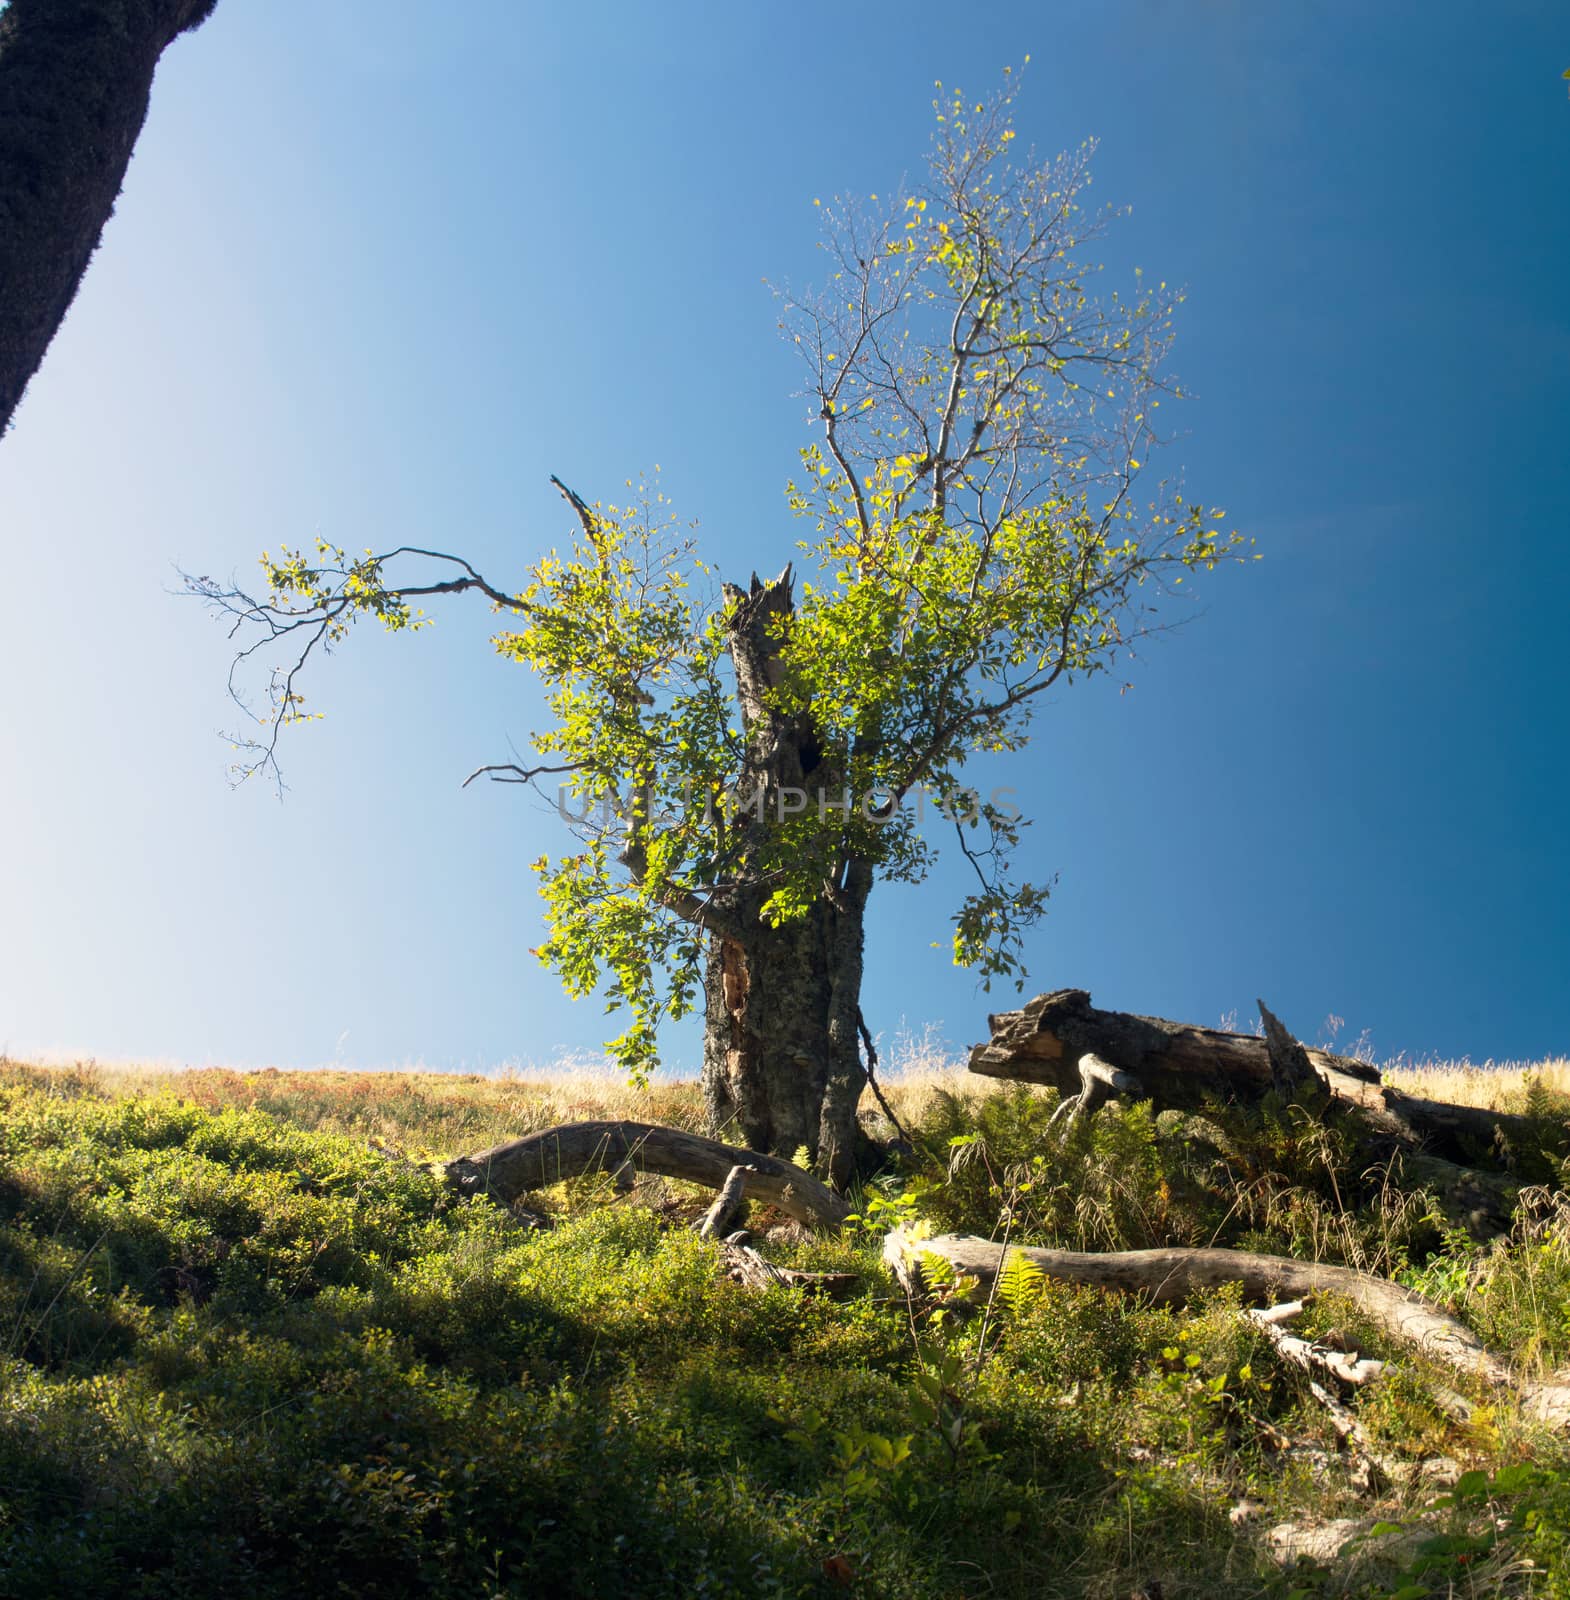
(719, 1220)
(1182, 1066)
(1168, 1277)
(1291, 1072)
(556, 1154)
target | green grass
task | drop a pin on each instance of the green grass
(243, 1352)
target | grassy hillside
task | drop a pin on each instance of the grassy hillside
(245, 1351)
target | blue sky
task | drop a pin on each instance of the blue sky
(378, 277)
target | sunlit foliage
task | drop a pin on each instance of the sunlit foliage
(982, 524)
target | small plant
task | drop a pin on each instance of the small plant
(886, 1205)
(1449, 1274)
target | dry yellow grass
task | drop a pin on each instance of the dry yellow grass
(1493, 1085)
(442, 1114)
(448, 1113)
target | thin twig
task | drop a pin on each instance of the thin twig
(872, 1079)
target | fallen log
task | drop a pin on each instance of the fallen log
(1171, 1276)
(1316, 1361)
(1311, 1358)
(1182, 1066)
(568, 1151)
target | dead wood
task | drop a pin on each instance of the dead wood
(1099, 1081)
(745, 1265)
(1182, 1066)
(622, 1148)
(555, 1154)
(721, 1218)
(1317, 1361)
(1170, 1276)
(1291, 1072)
(1305, 1354)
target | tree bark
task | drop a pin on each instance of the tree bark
(553, 1155)
(1179, 1065)
(724, 1215)
(1291, 1072)
(782, 1067)
(75, 77)
(1169, 1277)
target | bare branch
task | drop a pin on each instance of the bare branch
(497, 770)
(585, 514)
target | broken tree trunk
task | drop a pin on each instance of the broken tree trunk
(1168, 1277)
(1178, 1065)
(724, 1216)
(1291, 1072)
(556, 1154)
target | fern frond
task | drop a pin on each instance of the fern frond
(1020, 1282)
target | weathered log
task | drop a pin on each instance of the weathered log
(1180, 1065)
(1304, 1353)
(1290, 1069)
(1168, 1277)
(718, 1222)
(556, 1154)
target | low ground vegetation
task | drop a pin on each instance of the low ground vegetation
(249, 1347)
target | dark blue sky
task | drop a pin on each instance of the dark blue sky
(378, 276)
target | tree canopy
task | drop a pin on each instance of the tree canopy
(980, 523)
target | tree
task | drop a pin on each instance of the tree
(741, 766)
(75, 76)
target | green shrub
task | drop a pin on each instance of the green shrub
(242, 1356)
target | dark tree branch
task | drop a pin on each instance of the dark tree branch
(872, 1078)
(522, 774)
(555, 1154)
(584, 512)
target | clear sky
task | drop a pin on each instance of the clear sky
(380, 269)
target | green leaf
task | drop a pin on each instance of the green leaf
(941, 598)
